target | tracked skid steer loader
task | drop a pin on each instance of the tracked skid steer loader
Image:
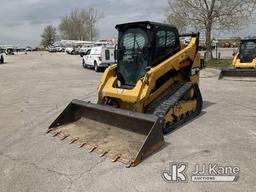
(151, 90)
(244, 61)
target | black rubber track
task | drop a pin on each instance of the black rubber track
(170, 98)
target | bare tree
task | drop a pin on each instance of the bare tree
(209, 15)
(177, 20)
(48, 36)
(80, 24)
(93, 18)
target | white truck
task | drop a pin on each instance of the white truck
(99, 57)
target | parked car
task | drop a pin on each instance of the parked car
(28, 48)
(9, 51)
(52, 49)
(60, 49)
(99, 57)
(1, 58)
(70, 50)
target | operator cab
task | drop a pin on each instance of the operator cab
(247, 50)
(142, 45)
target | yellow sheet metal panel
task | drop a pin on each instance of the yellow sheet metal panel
(250, 65)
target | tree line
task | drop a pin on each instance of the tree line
(80, 24)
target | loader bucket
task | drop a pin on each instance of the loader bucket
(123, 136)
(230, 72)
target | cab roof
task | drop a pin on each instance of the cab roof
(249, 39)
(145, 23)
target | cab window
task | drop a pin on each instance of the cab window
(132, 64)
(107, 54)
(166, 44)
(88, 52)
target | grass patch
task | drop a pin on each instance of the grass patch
(219, 63)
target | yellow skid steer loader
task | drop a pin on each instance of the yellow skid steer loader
(151, 90)
(244, 61)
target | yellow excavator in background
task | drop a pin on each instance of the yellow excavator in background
(150, 91)
(244, 61)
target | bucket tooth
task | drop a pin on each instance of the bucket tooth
(88, 146)
(113, 156)
(64, 137)
(103, 153)
(49, 130)
(92, 149)
(115, 159)
(56, 134)
(73, 140)
(129, 165)
(82, 145)
(125, 161)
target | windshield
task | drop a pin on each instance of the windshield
(248, 51)
(132, 63)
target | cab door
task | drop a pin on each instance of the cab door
(87, 57)
(132, 61)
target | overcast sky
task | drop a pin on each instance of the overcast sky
(22, 21)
